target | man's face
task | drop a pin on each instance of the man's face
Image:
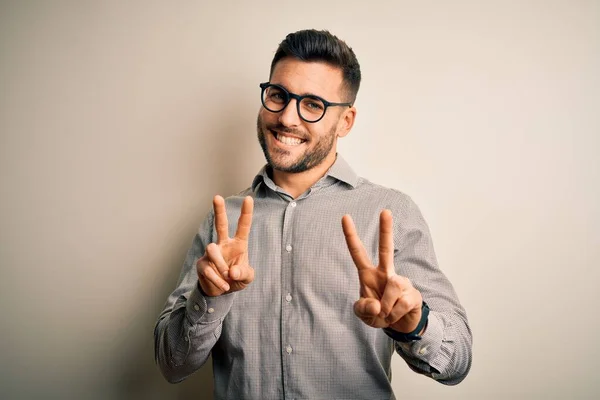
(289, 143)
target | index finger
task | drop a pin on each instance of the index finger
(386, 242)
(245, 220)
(221, 223)
(355, 246)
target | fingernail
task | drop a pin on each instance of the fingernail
(225, 287)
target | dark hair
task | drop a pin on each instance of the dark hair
(313, 45)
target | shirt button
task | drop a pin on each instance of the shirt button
(293, 204)
(288, 248)
(186, 338)
(423, 350)
(196, 307)
(288, 349)
(211, 310)
(288, 297)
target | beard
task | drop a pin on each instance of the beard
(312, 157)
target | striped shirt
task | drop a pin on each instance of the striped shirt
(292, 333)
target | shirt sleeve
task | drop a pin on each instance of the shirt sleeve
(190, 320)
(444, 351)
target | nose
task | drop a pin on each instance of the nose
(289, 116)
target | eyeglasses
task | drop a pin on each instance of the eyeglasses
(311, 108)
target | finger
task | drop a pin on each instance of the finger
(212, 276)
(404, 309)
(355, 246)
(221, 223)
(399, 308)
(213, 253)
(242, 273)
(406, 301)
(208, 273)
(245, 220)
(386, 242)
(394, 289)
(367, 308)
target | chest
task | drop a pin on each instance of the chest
(299, 247)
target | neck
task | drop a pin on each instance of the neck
(296, 183)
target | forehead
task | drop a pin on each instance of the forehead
(303, 77)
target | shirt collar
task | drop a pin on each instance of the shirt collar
(340, 170)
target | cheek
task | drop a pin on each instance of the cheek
(267, 117)
(323, 130)
(315, 134)
(330, 123)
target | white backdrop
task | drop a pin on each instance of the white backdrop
(119, 122)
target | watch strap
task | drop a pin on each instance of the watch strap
(414, 335)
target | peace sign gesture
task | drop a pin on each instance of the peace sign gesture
(225, 265)
(386, 299)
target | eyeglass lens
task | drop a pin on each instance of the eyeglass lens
(276, 98)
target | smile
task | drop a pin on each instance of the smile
(288, 140)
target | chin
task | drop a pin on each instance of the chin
(290, 166)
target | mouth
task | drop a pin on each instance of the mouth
(287, 139)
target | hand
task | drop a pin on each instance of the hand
(225, 266)
(386, 299)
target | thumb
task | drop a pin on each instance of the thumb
(367, 307)
(241, 273)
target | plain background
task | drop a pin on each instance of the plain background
(120, 120)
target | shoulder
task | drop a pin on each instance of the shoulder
(396, 200)
(237, 199)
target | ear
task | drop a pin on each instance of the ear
(346, 122)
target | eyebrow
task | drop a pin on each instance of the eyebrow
(299, 94)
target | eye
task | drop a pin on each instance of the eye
(276, 96)
(314, 105)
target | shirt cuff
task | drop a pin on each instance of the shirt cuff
(428, 347)
(202, 309)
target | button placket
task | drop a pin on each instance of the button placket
(287, 312)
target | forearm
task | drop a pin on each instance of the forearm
(172, 347)
(444, 352)
(185, 337)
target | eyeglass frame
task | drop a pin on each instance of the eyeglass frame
(298, 99)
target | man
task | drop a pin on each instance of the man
(294, 306)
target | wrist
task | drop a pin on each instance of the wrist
(416, 333)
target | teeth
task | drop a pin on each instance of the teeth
(288, 140)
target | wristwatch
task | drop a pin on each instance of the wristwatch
(414, 335)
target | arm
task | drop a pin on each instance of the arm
(444, 352)
(191, 321)
(389, 300)
(186, 324)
